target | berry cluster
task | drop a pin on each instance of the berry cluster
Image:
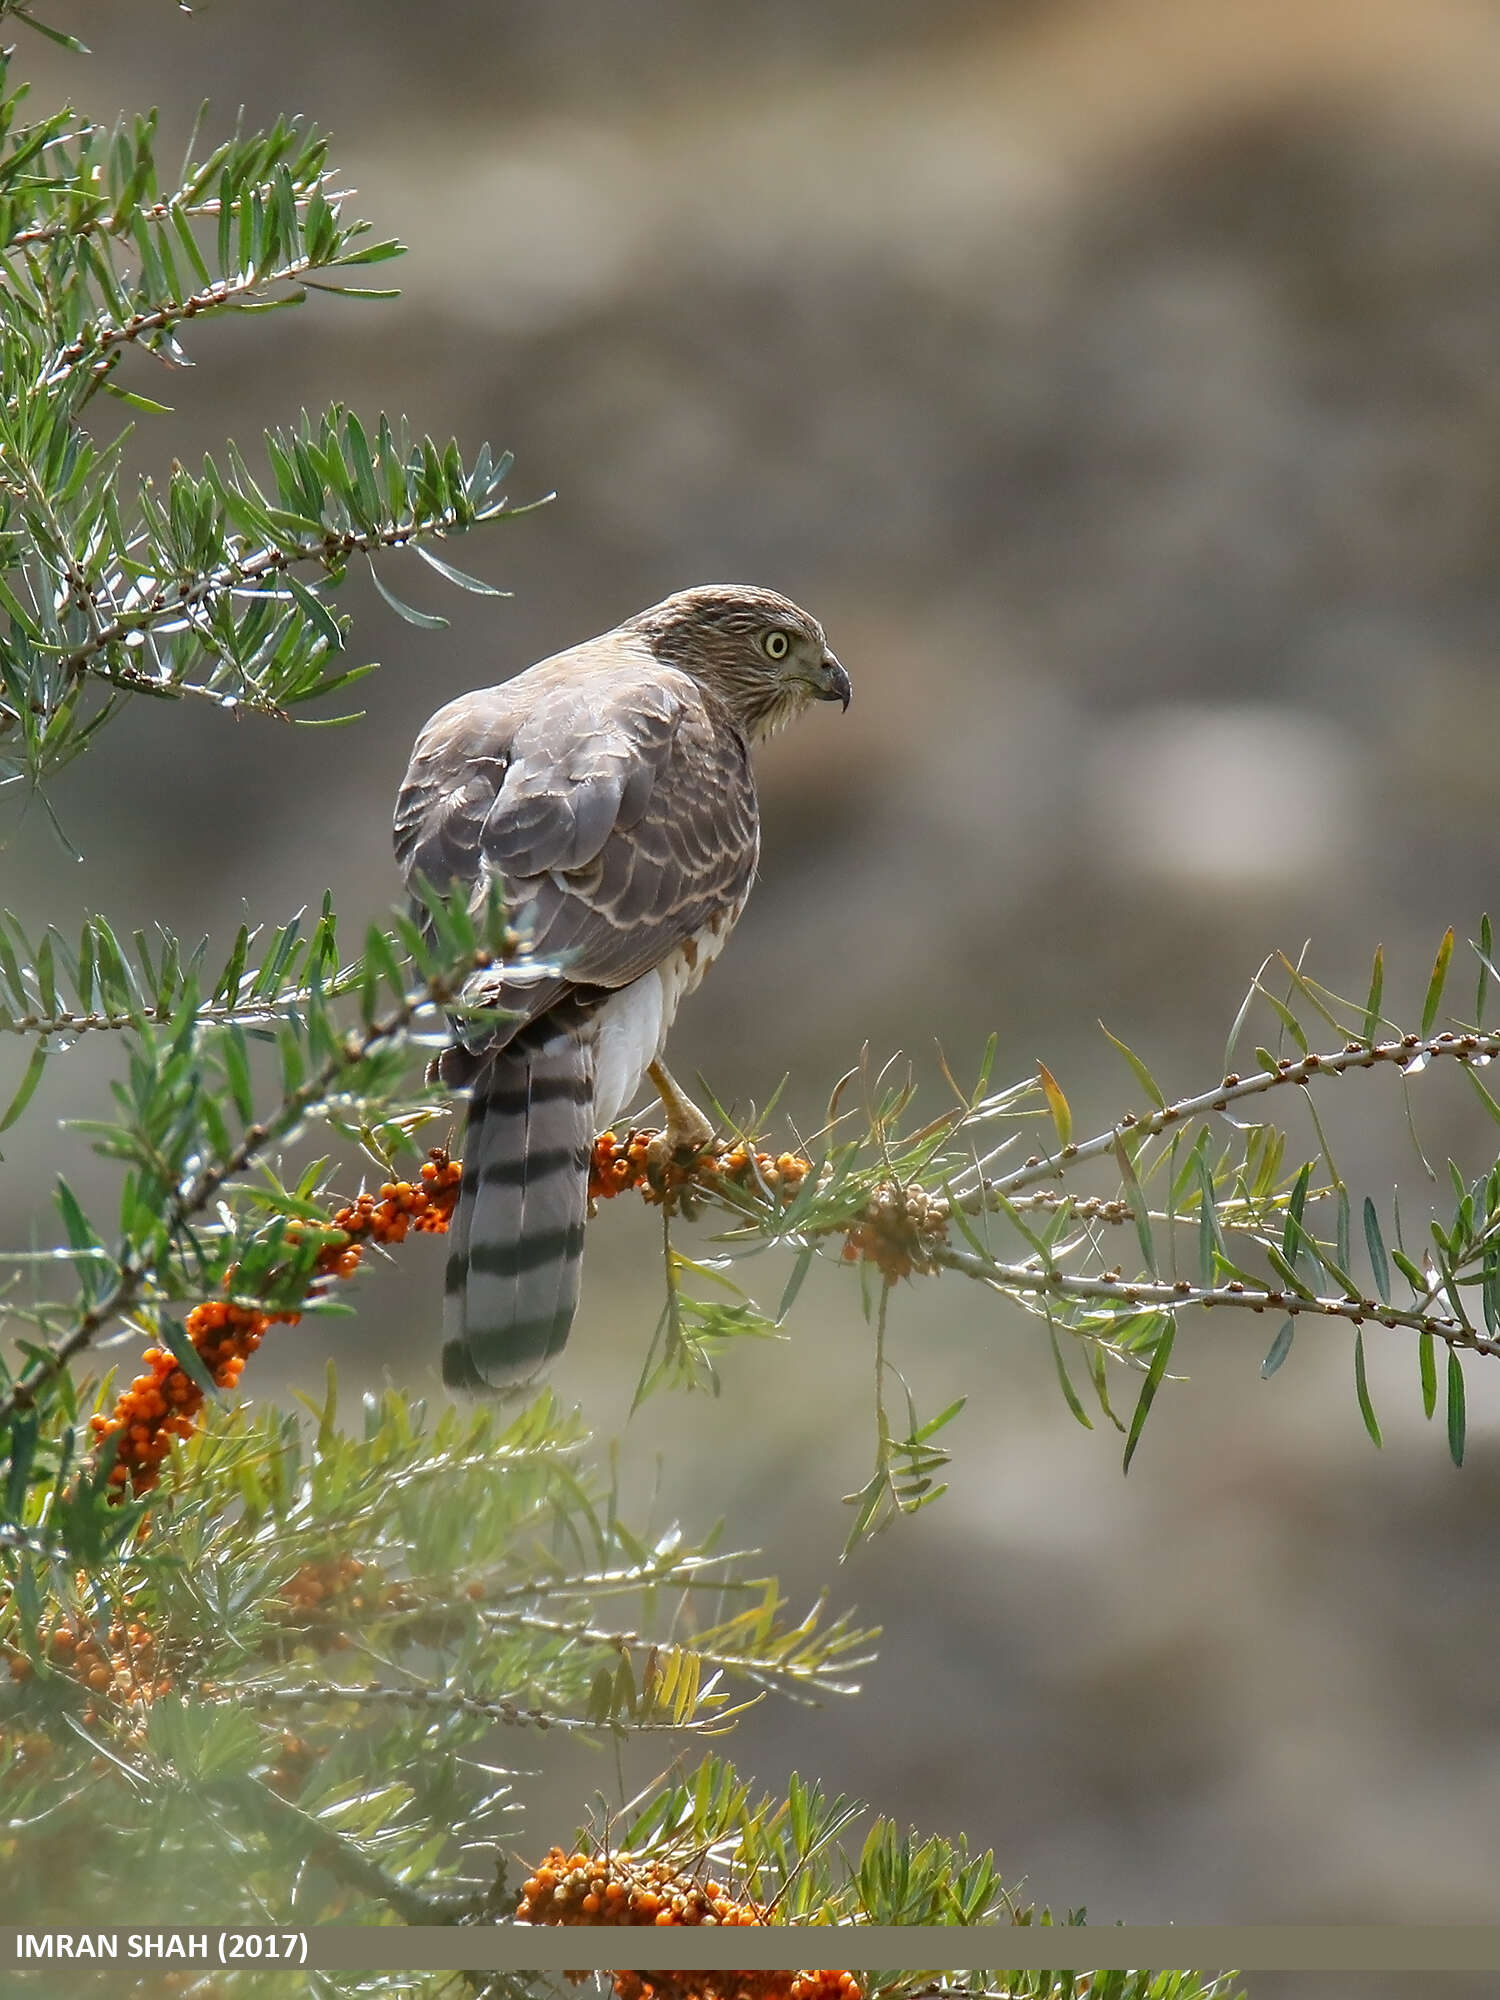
(738, 1986)
(621, 1888)
(898, 1231)
(119, 1664)
(425, 1205)
(163, 1401)
(618, 1164)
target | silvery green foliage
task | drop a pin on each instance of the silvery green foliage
(212, 584)
(1116, 1244)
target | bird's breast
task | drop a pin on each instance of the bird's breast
(631, 1027)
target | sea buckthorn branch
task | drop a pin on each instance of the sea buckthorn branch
(799, 1661)
(109, 178)
(249, 565)
(697, 1848)
(902, 1225)
(515, 1711)
(907, 1203)
(441, 987)
(193, 590)
(1406, 1053)
(1032, 1281)
(98, 343)
(117, 222)
(56, 992)
(164, 1401)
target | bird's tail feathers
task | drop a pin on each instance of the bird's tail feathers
(517, 1245)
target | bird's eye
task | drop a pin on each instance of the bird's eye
(776, 645)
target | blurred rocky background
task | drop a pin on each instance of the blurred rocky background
(1120, 383)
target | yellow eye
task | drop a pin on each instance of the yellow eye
(776, 645)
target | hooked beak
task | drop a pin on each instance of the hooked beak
(835, 682)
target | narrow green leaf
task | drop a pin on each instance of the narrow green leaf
(1142, 1075)
(237, 1071)
(1372, 1004)
(1457, 1420)
(1149, 1387)
(1294, 1213)
(1137, 1201)
(1427, 1361)
(177, 1338)
(1287, 1019)
(315, 609)
(24, 1432)
(1278, 1351)
(800, 1270)
(10, 965)
(458, 576)
(1486, 960)
(1070, 1394)
(428, 621)
(1288, 1273)
(28, 1084)
(1240, 1019)
(1435, 985)
(1362, 1388)
(1375, 1244)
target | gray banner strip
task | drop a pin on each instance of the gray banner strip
(546, 1948)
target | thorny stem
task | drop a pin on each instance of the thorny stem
(501, 1709)
(250, 1013)
(1233, 1090)
(104, 337)
(107, 224)
(1037, 1282)
(331, 549)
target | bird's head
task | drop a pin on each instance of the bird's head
(762, 656)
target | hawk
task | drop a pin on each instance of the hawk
(608, 789)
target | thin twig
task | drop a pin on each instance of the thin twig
(1034, 1281)
(108, 223)
(501, 1709)
(1233, 1090)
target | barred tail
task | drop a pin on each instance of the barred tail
(517, 1243)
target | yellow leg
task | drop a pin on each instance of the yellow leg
(686, 1132)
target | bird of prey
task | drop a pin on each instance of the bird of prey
(608, 790)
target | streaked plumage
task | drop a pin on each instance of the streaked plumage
(610, 790)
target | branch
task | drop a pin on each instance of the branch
(1031, 1282)
(268, 1694)
(345, 1859)
(104, 336)
(120, 225)
(196, 1195)
(1409, 1050)
(330, 550)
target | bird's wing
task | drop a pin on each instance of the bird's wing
(616, 808)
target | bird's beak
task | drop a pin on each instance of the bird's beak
(835, 683)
